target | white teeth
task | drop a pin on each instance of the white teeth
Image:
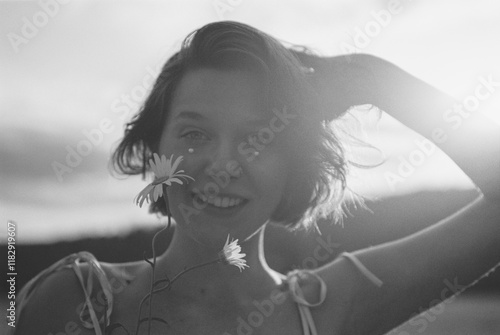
(201, 196)
(222, 202)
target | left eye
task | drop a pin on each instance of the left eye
(195, 136)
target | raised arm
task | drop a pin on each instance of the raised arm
(427, 267)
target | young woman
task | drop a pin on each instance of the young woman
(251, 117)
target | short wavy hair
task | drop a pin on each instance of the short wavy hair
(317, 168)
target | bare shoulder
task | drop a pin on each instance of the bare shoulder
(347, 289)
(57, 302)
(54, 306)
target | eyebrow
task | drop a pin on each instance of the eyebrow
(191, 115)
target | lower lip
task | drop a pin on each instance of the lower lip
(221, 212)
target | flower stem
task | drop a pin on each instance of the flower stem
(153, 266)
(170, 282)
(177, 276)
(153, 246)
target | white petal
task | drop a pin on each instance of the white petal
(155, 168)
(175, 180)
(164, 166)
(175, 165)
(143, 195)
(157, 192)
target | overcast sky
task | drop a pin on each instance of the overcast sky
(66, 70)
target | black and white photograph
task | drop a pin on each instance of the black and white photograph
(250, 167)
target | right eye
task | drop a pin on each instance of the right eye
(194, 136)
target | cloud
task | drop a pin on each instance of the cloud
(67, 78)
(28, 154)
(89, 202)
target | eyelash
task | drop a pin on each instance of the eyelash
(189, 134)
(202, 137)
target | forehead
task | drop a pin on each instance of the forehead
(220, 94)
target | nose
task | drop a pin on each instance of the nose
(224, 158)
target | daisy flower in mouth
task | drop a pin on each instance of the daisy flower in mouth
(165, 173)
(231, 254)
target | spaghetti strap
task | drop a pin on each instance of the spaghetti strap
(367, 273)
(297, 280)
(74, 261)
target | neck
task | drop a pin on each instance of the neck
(219, 278)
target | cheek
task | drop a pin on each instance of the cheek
(272, 175)
(166, 146)
(275, 164)
(176, 201)
(170, 146)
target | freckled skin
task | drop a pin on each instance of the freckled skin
(227, 102)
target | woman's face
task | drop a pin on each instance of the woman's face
(220, 116)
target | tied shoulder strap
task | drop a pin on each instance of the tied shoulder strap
(300, 283)
(367, 273)
(94, 268)
(73, 261)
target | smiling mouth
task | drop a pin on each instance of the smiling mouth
(220, 202)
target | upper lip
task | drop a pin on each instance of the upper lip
(228, 195)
